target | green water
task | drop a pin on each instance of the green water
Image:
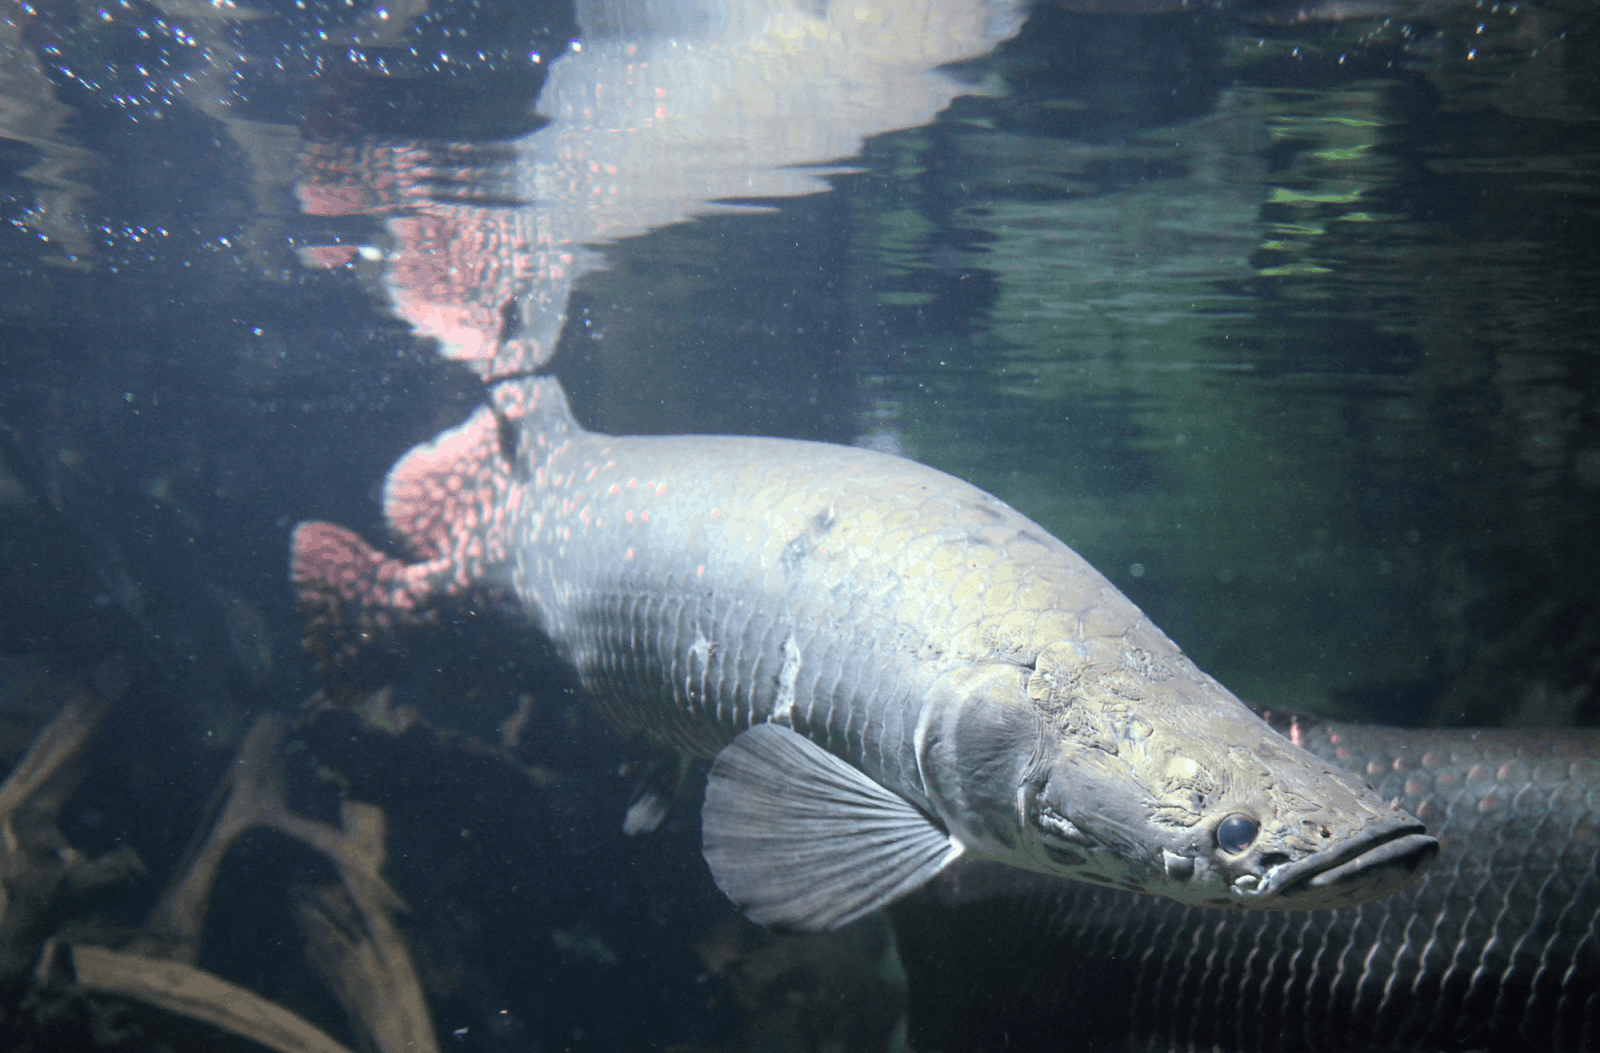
(1311, 374)
(1288, 328)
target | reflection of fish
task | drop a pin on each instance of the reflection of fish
(1494, 949)
(665, 109)
(891, 667)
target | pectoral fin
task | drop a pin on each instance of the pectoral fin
(799, 839)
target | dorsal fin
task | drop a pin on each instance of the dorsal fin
(441, 490)
(451, 500)
(444, 499)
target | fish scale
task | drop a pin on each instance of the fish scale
(1497, 947)
(908, 612)
(649, 541)
(927, 667)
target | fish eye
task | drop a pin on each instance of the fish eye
(1236, 833)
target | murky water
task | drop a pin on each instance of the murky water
(1315, 358)
(1288, 327)
(1286, 323)
(1285, 317)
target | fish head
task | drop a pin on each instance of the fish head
(1127, 766)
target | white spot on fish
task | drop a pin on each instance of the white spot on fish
(783, 705)
(701, 650)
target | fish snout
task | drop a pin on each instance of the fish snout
(1389, 856)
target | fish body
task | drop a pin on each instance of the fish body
(890, 667)
(1496, 948)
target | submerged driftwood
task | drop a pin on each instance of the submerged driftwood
(363, 955)
(37, 863)
(197, 994)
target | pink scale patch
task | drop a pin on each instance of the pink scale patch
(447, 500)
(325, 558)
(327, 257)
(422, 496)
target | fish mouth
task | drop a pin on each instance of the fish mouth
(1379, 865)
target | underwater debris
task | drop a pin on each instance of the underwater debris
(351, 936)
(65, 982)
(37, 863)
(353, 942)
(195, 993)
(844, 989)
(255, 799)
